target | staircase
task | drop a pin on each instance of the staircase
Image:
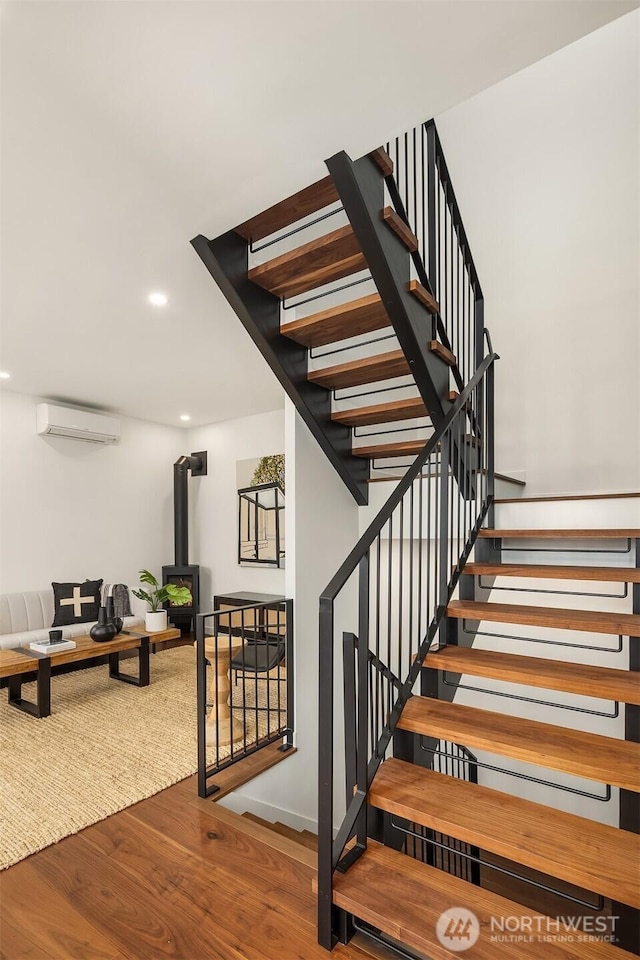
(417, 834)
(375, 249)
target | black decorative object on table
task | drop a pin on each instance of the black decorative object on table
(104, 629)
(111, 615)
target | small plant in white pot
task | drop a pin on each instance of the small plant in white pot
(156, 618)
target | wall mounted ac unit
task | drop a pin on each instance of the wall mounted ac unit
(56, 421)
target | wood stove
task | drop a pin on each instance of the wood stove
(183, 573)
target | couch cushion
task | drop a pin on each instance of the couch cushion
(32, 610)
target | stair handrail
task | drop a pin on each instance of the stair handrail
(373, 734)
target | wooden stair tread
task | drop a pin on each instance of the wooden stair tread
(338, 323)
(405, 898)
(384, 366)
(441, 351)
(399, 449)
(400, 228)
(422, 294)
(605, 534)
(555, 572)
(382, 159)
(590, 621)
(286, 212)
(303, 837)
(382, 412)
(381, 451)
(589, 854)
(580, 678)
(582, 754)
(330, 257)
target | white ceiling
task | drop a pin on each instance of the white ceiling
(129, 127)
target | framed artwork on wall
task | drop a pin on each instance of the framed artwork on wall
(261, 503)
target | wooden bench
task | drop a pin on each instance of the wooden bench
(20, 664)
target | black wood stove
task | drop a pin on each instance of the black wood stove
(183, 573)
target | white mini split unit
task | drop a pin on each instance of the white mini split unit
(54, 421)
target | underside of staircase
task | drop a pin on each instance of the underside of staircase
(421, 837)
(374, 248)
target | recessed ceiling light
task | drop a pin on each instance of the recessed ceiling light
(185, 416)
(3, 375)
(158, 299)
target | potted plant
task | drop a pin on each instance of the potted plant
(156, 618)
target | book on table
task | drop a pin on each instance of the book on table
(52, 646)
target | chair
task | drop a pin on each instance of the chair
(258, 656)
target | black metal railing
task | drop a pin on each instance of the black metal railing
(245, 684)
(392, 592)
(424, 190)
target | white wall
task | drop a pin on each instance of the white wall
(545, 168)
(322, 529)
(214, 503)
(72, 510)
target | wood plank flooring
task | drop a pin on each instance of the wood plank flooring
(173, 876)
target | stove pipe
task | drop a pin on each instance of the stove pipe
(197, 463)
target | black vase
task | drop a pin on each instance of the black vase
(111, 615)
(104, 629)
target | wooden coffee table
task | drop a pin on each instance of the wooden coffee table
(20, 663)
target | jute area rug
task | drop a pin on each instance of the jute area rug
(105, 746)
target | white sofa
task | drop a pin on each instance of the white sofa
(28, 616)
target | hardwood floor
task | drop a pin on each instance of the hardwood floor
(173, 876)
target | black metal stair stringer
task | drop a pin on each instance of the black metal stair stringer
(360, 185)
(227, 260)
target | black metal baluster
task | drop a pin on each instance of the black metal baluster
(455, 323)
(244, 681)
(445, 269)
(406, 171)
(373, 716)
(363, 688)
(435, 525)
(350, 719)
(427, 242)
(433, 214)
(389, 587)
(420, 483)
(202, 706)
(415, 188)
(216, 697)
(428, 541)
(326, 936)
(398, 665)
(443, 531)
(410, 626)
(289, 676)
(490, 446)
(377, 605)
(279, 640)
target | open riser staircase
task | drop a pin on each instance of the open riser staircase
(362, 294)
